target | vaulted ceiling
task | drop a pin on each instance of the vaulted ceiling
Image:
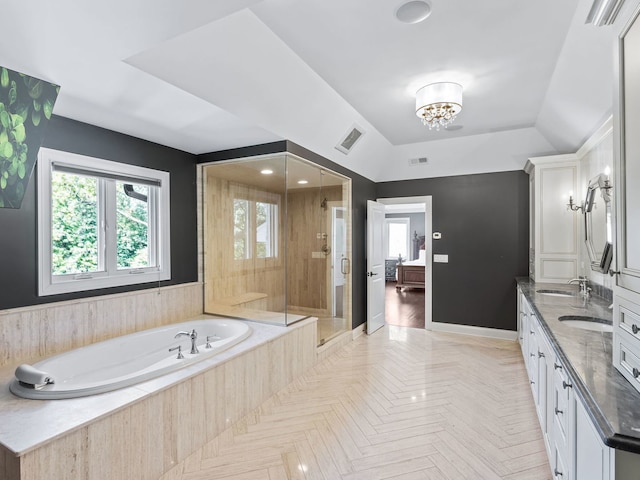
(203, 76)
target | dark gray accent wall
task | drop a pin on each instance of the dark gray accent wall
(362, 190)
(484, 221)
(18, 242)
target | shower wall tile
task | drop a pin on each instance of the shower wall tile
(30, 333)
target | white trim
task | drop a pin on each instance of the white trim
(598, 136)
(475, 331)
(359, 330)
(108, 275)
(428, 240)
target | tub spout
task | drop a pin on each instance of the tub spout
(193, 335)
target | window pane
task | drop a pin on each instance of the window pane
(132, 231)
(397, 240)
(74, 224)
(240, 229)
(265, 235)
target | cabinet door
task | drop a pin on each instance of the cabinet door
(628, 159)
(592, 456)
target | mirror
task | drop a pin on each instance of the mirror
(597, 223)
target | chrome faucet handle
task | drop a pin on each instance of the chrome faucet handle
(179, 348)
(209, 338)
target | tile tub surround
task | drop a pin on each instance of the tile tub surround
(142, 431)
(28, 334)
(612, 403)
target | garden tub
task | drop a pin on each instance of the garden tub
(126, 360)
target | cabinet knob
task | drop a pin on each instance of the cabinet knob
(557, 366)
(634, 328)
(540, 355)
(532, 332)
(558, 411)
(557, 473)
(532, 354)
(636, 372)
(532, 382)
(613, 272)
(566, 385)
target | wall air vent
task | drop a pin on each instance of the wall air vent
(347, 142)
(418, 161)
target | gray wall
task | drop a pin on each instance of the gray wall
(484, 221)
(18, 243)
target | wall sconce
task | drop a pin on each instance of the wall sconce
(572, 206)
(605, 184)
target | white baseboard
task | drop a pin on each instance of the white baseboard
(470, 330)
(359, 330)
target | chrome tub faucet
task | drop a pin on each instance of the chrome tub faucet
(583, 282)
(193, 335)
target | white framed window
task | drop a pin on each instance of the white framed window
(100, 223)
(255, 225)
(398, 238)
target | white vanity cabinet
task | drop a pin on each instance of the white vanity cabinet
(554, 229)
(626, 339)
(563, 417)
(593, 458)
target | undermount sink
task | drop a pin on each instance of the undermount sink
(556, 293)
(587, 323)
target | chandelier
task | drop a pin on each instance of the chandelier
(437, 104)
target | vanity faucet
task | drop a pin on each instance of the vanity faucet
(583, 282)
(193, 335)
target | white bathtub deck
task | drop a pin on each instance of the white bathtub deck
(28, 424)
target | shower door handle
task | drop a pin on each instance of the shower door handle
(345, 266)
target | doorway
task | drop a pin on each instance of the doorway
(408, 274)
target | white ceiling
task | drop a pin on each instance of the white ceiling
(203, 76)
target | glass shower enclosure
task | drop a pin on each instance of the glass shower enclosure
(277, 242)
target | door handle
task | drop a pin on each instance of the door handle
(345, 266)
(371, 274)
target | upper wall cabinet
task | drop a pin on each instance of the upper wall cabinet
(554, 228)
(627, 149)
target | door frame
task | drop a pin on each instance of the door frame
(428, 239)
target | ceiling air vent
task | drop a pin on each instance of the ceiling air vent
(417, 161)
(347, 142)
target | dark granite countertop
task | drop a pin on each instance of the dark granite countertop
(612, 403)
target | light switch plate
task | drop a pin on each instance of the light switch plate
(439, 258)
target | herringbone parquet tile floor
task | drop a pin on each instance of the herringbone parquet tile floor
(402, 403)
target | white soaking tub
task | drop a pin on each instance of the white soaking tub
(124, 361)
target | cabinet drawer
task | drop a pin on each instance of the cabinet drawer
(628, 363)
(629, 322)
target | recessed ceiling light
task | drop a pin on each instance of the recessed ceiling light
(303, 182)
(413, 12)
(266, 171)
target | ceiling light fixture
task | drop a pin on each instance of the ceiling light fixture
(303, 182)
(266, 171)
(437, 104)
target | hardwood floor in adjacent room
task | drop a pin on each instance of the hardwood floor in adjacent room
(402, 403)
(404, 307)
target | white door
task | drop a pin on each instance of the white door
(375, 266)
